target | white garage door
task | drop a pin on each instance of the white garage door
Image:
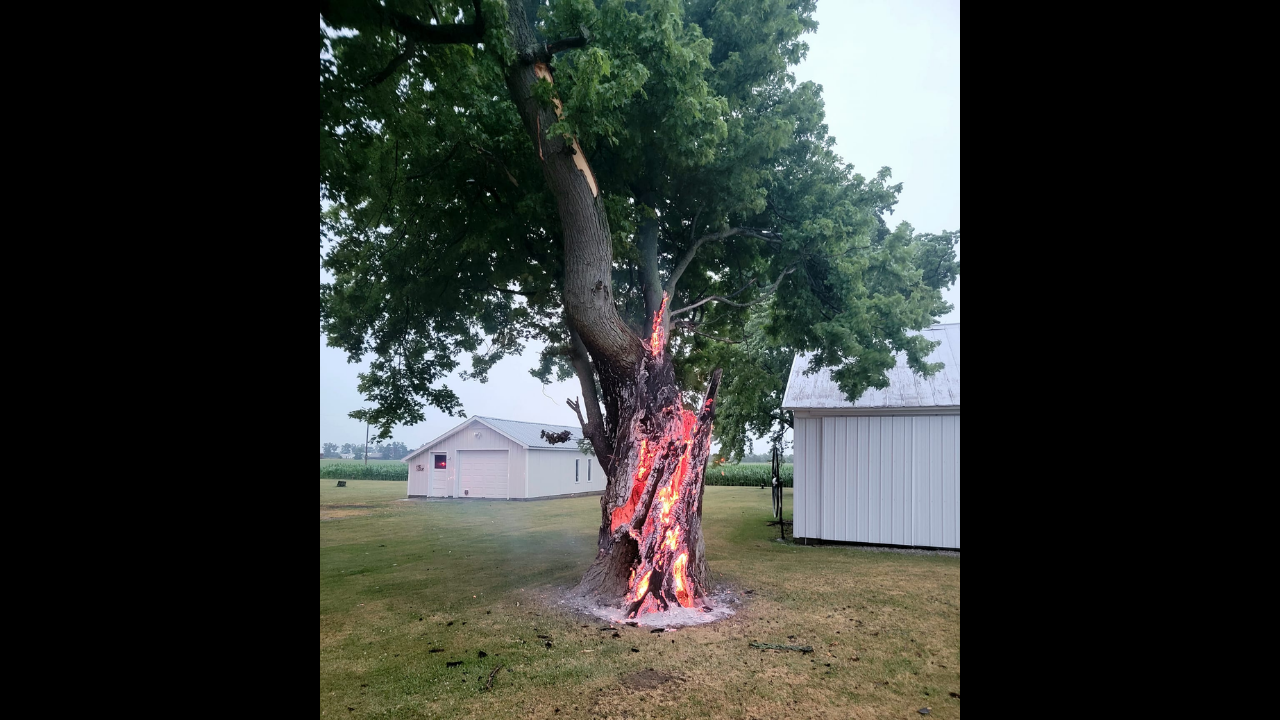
(483, 473)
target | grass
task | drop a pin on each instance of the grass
(399, 579)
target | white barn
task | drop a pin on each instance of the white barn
(491, 458)
(885, 469)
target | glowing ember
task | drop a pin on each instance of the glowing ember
(659, 337)
(643, 587)
(665, 461)
(682, 591)
(623, 514)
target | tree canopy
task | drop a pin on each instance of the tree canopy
(716, 172)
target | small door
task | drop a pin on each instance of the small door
(439, 475)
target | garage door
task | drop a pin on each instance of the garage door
(483, 473)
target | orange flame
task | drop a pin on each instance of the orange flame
(643, 587)
(665, 457)
(682, 592)
(659, 338)
(672, 554)
(623, 514)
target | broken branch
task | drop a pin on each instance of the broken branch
(771, 646)
(489, 684)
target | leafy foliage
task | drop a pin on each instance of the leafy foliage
(444, 240)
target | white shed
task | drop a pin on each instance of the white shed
(491, 458)
(885, 469)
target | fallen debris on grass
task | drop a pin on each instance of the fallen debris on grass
(771, 646)
(489, 685)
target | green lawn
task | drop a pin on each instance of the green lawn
(399, 579)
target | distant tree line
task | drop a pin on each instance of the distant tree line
(378, 451)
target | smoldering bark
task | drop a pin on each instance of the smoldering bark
(650, 452)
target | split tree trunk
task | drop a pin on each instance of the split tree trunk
(650, 546)
(653, 451)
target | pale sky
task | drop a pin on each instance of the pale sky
(890, 73)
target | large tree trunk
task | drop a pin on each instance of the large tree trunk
(653, 451)
(650, 545)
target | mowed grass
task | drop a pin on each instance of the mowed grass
(405, 578)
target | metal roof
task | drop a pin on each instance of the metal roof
(524, 433)
(529, 434)
(906, 388)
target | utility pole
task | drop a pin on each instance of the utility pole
(366, 443)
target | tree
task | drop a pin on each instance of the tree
(395, 451)
(348, 448)
(330, 449)
(641, 187)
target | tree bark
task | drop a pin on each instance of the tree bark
(588, 247)
(650, 553)
(650, 545)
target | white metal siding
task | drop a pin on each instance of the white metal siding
(808, 443)
(886, 480)
(551, 473)
(937, 480)
(483, 473)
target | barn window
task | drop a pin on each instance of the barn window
(439, 462)
(588, 471)
(575, 470)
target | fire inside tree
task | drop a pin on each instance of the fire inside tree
(653, 510)
(580, 176)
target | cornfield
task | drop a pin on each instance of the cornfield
(747, 475)
(352, 471)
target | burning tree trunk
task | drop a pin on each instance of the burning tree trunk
(653, 451)
(651, 549)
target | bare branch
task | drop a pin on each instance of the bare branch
(544, 54)
(566, 44)
(713, 237)
(414, 29)
(410, 46)
(774, 208)
(593, 427)
(719, 298)
(577, 410)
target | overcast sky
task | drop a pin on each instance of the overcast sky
(890, 73)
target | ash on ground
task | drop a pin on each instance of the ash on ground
(722, 606)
